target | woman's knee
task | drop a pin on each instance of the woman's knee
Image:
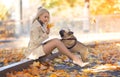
(56, 40)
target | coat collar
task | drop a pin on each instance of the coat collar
(43, 27)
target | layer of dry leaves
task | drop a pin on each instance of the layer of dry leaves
(8, 56)
(106, 60)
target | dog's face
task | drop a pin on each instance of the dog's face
(66, 33)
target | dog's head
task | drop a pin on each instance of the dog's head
(66, 33)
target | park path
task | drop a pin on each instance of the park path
(85, 38)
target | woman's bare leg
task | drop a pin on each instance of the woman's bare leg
(56, 43)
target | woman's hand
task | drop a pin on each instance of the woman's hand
(48, 31)
(49, 26)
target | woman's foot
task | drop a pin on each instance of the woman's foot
(81, 64)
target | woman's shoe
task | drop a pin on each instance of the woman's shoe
(81, 65)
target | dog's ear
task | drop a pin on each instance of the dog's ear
(61, 32)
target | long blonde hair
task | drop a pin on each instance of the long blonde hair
(40, 11)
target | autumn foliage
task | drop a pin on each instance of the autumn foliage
(107, 60)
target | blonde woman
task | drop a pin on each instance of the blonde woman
(39, 33)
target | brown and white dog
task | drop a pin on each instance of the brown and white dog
(74, 45)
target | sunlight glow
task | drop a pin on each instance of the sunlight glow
(101, 68)
(8, 3)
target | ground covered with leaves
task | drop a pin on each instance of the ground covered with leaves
(9, 56)
(104, 63)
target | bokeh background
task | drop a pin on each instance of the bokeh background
(81, 16)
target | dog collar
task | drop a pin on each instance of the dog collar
(71, 39)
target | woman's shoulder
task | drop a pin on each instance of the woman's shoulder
(36, 24)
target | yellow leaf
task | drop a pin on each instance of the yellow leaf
(50, 25)
(53, 75)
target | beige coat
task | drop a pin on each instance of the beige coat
(37, 36)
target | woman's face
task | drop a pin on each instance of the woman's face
(44, 18)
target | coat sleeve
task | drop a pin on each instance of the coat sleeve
(37, 35)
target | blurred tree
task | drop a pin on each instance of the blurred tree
(58, 6)
(3, 12)
(97, 7)
(104, 7)
(71, 3)
(65, 3)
